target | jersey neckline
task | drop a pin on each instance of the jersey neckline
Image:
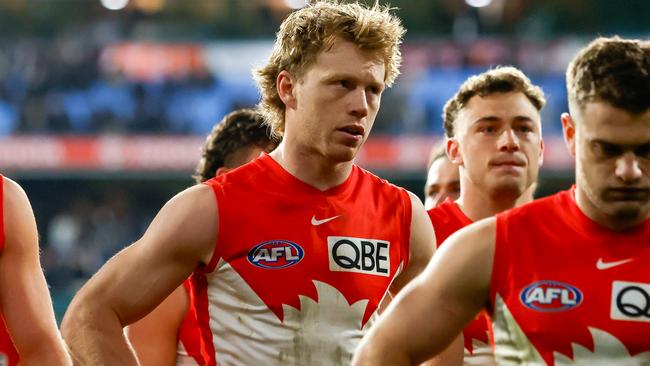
(291, 182)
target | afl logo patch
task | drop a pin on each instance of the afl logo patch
(550, 296)
(275, 254)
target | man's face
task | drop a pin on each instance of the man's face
(612, 149)
(336, 102)
(498, 143)
(443, 180)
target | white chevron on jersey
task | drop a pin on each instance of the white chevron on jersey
(247, 332)
(514, 348)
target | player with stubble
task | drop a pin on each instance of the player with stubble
(565, 278)
(494, 135)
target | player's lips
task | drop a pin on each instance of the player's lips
(628, 194)
(354, 130)
(508, 162)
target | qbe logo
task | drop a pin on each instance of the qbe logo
(630, 301)
(275, 254)
(550, 296)
(359, 255)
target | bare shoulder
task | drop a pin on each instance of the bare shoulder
(195, 199)
(482, 231)
(415, 200)
(470, 251)
(417, 208)
(191, 218)
(420, 222)
(14, 196)
(477, 238)
(19, 222)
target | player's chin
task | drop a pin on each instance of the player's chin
(511, 185)
(631, 211)
(342, 154)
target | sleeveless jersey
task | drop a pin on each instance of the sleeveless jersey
(567, 291)
(447, 218)
(297, 274)
(8, 353)
(188, 351)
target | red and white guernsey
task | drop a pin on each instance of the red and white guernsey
(567, 291)
(447, 218)
(297, 274)
(188, 351)
(8, 353)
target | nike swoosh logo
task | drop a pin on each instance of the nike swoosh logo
(320, 222)
(606, 265)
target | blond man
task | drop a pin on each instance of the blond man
(565, 278)
(292, 253)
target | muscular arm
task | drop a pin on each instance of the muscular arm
(423, 244)
(154, 338)
(432, 310)
(24, 297)
(133, 282)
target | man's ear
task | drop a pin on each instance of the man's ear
(453, 151)
(569, 132)
(286, 85)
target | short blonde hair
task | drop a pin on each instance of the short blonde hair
(311, 30)
(504, 79)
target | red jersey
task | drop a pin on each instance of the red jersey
(188, 352)
(447, 218)
(8, 353)
(566, 290)
(298, 274)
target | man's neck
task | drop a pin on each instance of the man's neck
(311, 168)
(477, 204)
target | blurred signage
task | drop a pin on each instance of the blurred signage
(160, 154)
(154, 61)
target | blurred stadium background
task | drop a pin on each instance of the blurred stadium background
(104, 104)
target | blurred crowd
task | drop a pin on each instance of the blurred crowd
(84, 224)
(74, 85)
(62, 87)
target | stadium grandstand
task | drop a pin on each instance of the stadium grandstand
(104, 105)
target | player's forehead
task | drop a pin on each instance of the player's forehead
(498, 106)
(346, 60)
(601, 121)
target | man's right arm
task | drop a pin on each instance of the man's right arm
(132, 283)
(430, 312)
